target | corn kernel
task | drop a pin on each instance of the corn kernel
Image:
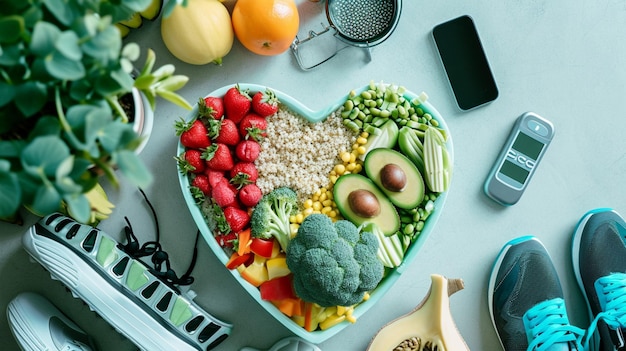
(317, 206)
(353, 157)
(308, 203)
(340, 169)
(327, 202)
(308, 211)
(345, 156)
(358, 168)
(351, 166)
(361, 140)
(323, 197)
(361, 150)
(292, 219)
(299, 218)
(365, 134)
(333, 178)
(326, 210)
(332, 214)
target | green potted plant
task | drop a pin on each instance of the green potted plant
(64, 73)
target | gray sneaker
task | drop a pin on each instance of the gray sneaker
(38, 325)
(526, 300)
(599, 258)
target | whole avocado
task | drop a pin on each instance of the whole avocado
(333, 264)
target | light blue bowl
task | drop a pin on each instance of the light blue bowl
(295, 106)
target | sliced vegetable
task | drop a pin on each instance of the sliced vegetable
(237, 260)
(390, 247)
(244, 242)
(290, 307)
(277, 267)
(437, 165)
(262, 247)
(411, 146)
(255, 273)
(278, 289)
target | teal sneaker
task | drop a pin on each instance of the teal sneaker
(599, 261)
(143, 303)
(526, 300)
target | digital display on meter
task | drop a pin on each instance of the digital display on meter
(519, 158)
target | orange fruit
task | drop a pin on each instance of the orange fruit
(266, 27)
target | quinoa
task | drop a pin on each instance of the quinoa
(299, 154)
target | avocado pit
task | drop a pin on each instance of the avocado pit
(393, 177)
(364, 203)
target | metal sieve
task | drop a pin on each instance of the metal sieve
(359, 23)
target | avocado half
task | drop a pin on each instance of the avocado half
(387, 220)
(413, 192)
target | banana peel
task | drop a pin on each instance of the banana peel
(150, 13)
(430, 325)
(101, 207)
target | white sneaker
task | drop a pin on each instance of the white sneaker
(38, 325)
(135, 299)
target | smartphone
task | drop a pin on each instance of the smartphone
(519, 158)
(465, 62)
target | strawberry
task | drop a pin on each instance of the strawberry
(228, 133)
(214, 177)
(248, 150)
(250, 195)
(211, 106)
(265, 103)
(237, 218)
(224, 194)
(253, 126)
(243, 173)
(201, 181)
(237, 103)
(218, 157)
(193, 135)
(191, 161)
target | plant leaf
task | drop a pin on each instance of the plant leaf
(44, 36)
(30, 97)
(78, 207)
(61, 10)
(63, 68)
(44, 153)
(175, 99)
(10, 191)
(7, 92)
(11, 27)
(104, 46)
(67, 45)
(133, 168)
(111, 134)
(47, 200)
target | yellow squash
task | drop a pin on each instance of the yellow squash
(198, 33)
(429, 326)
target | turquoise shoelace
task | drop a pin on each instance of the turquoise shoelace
(611, 292)
(547, 324)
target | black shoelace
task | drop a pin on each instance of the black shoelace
(160, 259)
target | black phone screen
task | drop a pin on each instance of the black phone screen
(465, 62)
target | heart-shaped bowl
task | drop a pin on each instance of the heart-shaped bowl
(296, 107)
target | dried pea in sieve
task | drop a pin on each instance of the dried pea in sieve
(358, 23)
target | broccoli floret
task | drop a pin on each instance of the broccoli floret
(333, 264)
(270, 217)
